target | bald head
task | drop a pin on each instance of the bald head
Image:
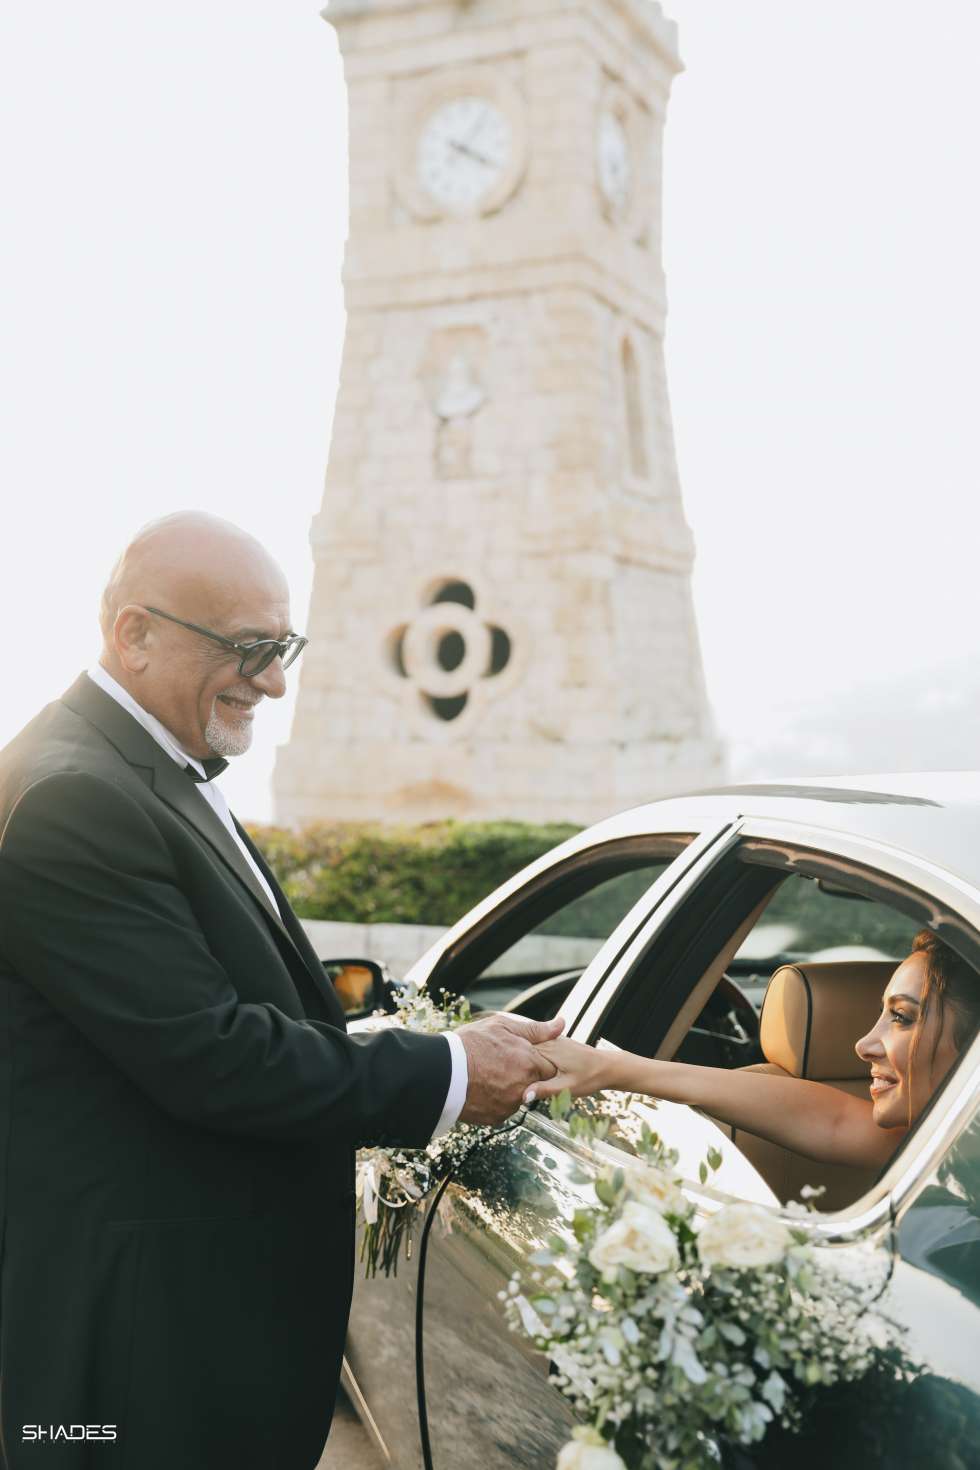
(185, 556)
(199, 569)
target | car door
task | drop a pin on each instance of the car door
(627, 877)
(914, 1236)
(488, 1398)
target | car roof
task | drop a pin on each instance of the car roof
(934, 816)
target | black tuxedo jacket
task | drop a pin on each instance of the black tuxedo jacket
(179, 1106)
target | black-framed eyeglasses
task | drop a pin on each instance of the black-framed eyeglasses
(254, 656)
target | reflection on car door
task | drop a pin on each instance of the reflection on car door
(935, 1295)
(887, 1421)
(487, 1395)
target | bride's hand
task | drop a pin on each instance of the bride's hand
(580, 1069)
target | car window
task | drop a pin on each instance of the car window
(807, 919)
(565, 941)
(694, 993)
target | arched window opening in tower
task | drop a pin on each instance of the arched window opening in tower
(635, 428)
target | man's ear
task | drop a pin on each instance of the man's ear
(132, 637)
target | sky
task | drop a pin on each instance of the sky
(176, 213)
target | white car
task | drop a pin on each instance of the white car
(661, 930)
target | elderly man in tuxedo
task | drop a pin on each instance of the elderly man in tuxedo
(179, 1102)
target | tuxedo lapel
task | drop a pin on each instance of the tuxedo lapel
(168, 781)
(173, 787)
(297, 933)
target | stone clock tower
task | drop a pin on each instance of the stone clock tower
(501, 622)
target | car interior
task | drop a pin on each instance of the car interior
(811, 1016)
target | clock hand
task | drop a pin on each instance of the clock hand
(477, 128)
(470, 152)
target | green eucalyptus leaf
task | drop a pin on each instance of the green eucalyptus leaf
(606, 1192)
(582, 1224)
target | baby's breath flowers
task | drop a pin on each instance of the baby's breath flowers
(671, 1342)
(394, 1183)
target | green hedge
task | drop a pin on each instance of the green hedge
(365, 874)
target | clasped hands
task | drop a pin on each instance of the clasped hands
(512, 1060)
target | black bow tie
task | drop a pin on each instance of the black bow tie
(213, 766)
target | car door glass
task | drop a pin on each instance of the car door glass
(808, 920)
(565, 941)
(805, 922)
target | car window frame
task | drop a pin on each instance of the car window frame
(879, 1208)
(526, 889)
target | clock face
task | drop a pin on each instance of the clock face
(462, 150)
(615, 169)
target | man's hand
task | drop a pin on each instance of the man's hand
(503, 1062)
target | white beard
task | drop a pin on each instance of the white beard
(227, 736)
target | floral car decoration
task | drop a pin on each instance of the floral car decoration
(393, 1184)
(675, 1344)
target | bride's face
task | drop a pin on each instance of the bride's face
(901, 1087)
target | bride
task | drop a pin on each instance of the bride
(930, 1012)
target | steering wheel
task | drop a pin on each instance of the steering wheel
(731, 994)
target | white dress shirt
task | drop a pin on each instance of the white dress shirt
(211, 793)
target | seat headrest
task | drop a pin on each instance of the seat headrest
(813, 1014)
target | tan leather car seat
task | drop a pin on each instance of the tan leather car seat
(811, 1017)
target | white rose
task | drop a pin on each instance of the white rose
(640, 1240)
(656, 1188)
(743, 1236)
(587, 1450)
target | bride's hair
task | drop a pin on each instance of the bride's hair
(950, 983)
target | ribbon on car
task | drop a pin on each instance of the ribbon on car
(367, 1188)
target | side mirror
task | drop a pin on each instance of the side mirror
(362, 986)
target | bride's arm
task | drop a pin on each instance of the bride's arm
(811, 1118)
